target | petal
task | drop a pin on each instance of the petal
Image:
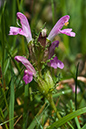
(67, 32)
(52, 48)
(26, 63)
(28, 77)
(58, 26)
(56, 63)
(16, 30)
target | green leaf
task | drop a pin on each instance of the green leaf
(11, 106)
(6, 65)
(67, 118)
(25, 112)
(3, 35)
(37, 117)
(84, 127)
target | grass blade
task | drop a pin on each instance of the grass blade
(84, 127)
(76, 119)
(7, 121)
(37, 117)
(11, 106)
(25, 118)
(67, 118)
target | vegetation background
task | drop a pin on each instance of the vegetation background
(22, 107)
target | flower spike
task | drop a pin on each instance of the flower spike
(24, 30)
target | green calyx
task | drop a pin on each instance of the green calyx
(46, 83)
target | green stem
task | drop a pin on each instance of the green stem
(76, 86)
(50, 99)
(52, 5)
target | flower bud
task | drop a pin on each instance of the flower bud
(49, 80)
(42, 38)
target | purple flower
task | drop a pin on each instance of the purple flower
(54, 62)
(24, 30)
(28, 77)
(58, 26)
(29, 72)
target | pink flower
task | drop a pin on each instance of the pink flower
(24, 30)
(73, 88)
(58, 26)
(54, 62)
(29, 72)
